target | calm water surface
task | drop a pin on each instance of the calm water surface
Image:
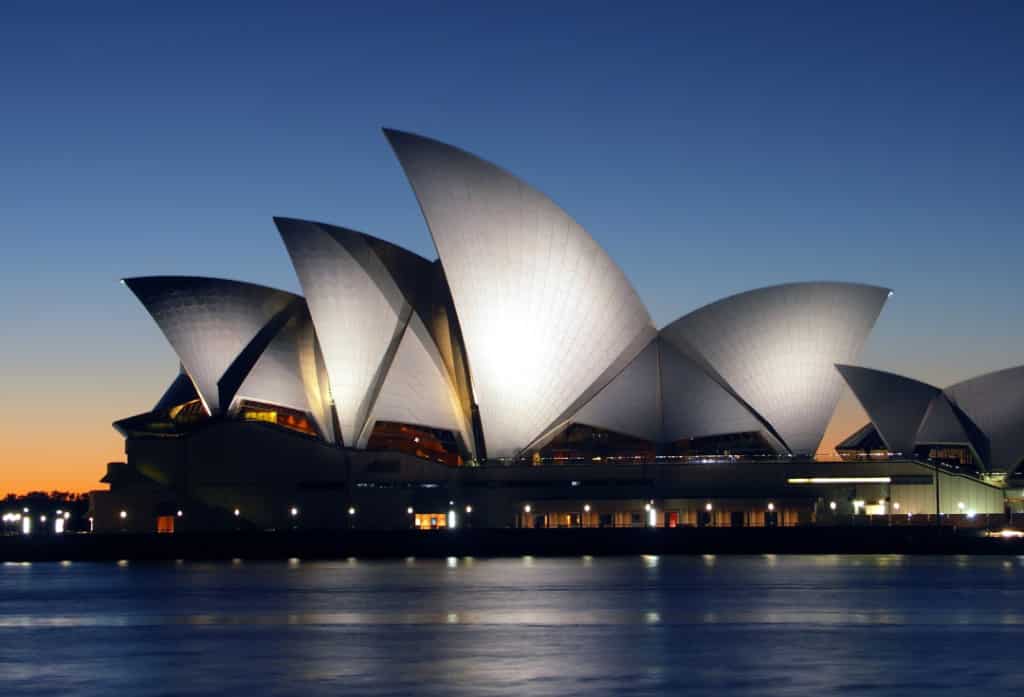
(641, 625)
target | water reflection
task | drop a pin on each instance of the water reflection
(706, 625)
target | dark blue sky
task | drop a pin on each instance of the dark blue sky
(711, 148)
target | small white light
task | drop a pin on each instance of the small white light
(351, 510)
(647, 506)
(237, 513)
(895, 505)
(452, 522)
(42, 519)
(469, 509)
(294, 511)
(409, 510)
(707, 506)
(771, 506)
(652, 517)
(586, 508)
(832, 505)
(67, 515)
(26, 525)
(180, 513)
(527, 508)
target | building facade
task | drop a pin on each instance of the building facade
(519, 360)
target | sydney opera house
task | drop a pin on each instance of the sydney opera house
(519, 381)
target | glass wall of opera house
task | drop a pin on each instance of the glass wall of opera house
(518, 380)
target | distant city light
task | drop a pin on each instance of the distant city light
(294, 511)
(409, 510)
(237, 513)
(586, 508)
(180, 513)
(707, 506)
(771, 506)
(351, 510)
(469, 509)
(527, 508)
(832, 505)
(123, 514)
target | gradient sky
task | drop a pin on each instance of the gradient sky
(711, 148)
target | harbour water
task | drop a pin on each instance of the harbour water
(725, 625)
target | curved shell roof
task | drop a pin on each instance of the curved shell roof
(544, 311)
(210, 322)
(995, 403)
(895, 404)
(357, 289)
(777, 347)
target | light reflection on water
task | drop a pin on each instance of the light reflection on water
(461, 626)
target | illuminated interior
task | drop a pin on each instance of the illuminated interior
(279, 416)
(434, 444)
(431, 521)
